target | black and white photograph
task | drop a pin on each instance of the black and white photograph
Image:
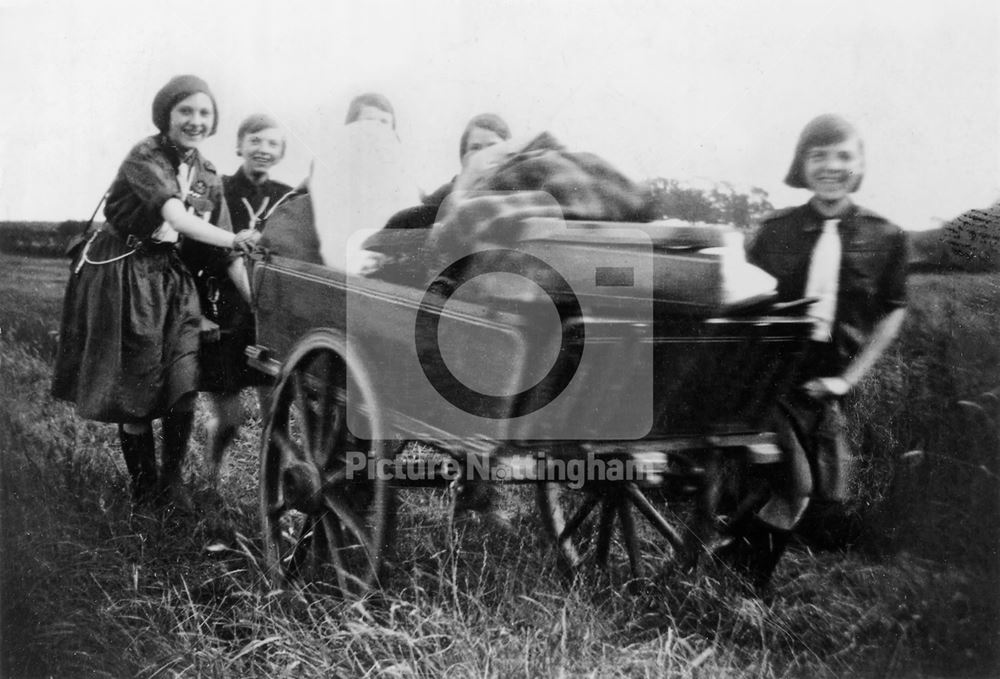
(512, 338)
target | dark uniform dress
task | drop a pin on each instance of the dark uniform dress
(871, 284)
(128, 344)
(224, 365)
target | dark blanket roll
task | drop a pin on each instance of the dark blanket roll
(291, 231)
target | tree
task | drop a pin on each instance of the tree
(717, 203)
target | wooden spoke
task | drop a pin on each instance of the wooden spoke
(630, 538)
(304, 408)
(608, 509)
(319, 552)
(300, 548)
(322, 436)
(334, 480)
(654, 517)
(349, 520)
(329, 433)
(290, 452)
(581, 515)
(335, 539)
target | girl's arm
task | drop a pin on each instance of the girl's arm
(238, 275)
(882, 335)
(194, 227)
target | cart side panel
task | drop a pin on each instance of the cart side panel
(710, 377)
(384, 318)
(724, 375)
(379, 319)
(291, 298)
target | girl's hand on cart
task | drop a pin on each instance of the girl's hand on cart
(365, 262)
(826, 388)
(245, 240)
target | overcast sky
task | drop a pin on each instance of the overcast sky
(685, 90)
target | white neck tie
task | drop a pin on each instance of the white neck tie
(824, 274)
(184, 177)
(166, 233)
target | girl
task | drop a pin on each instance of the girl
(130, 326)
(852, 261)
(371, 106)
(482, 131)
(251, 196)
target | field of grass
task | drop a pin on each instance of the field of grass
(91, 589)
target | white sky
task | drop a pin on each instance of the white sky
(668, 88)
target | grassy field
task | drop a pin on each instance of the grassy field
(90, 589)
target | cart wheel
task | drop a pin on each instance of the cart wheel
(611, 522)
(325, 523)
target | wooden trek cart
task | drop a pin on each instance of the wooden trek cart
(341, 349)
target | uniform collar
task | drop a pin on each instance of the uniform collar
(175, 154)
(814, 220)
(243, 178)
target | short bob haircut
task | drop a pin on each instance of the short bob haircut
(255, 123)
(822, 130)
(485, 121)
(374, 99)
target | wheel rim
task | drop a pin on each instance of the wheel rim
(324, 523)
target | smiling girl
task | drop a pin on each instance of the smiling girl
(851, 262)
(128, 345)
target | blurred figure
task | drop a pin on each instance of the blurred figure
(371, 106)
(360, 178)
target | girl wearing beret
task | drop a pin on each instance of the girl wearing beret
(251, 196)
(128, 345)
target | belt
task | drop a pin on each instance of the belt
(134, 242)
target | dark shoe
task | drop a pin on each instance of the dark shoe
(139, 452)
(754, 553)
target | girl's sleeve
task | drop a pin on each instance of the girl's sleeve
(222, 219)
(220, 215)
(152, 182)
(201, 257)
(893, 290)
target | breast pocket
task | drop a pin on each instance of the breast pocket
(861, 270)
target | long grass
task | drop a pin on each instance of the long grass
(91, 588)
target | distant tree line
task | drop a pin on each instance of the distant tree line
(718, 203)
(46, 239)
